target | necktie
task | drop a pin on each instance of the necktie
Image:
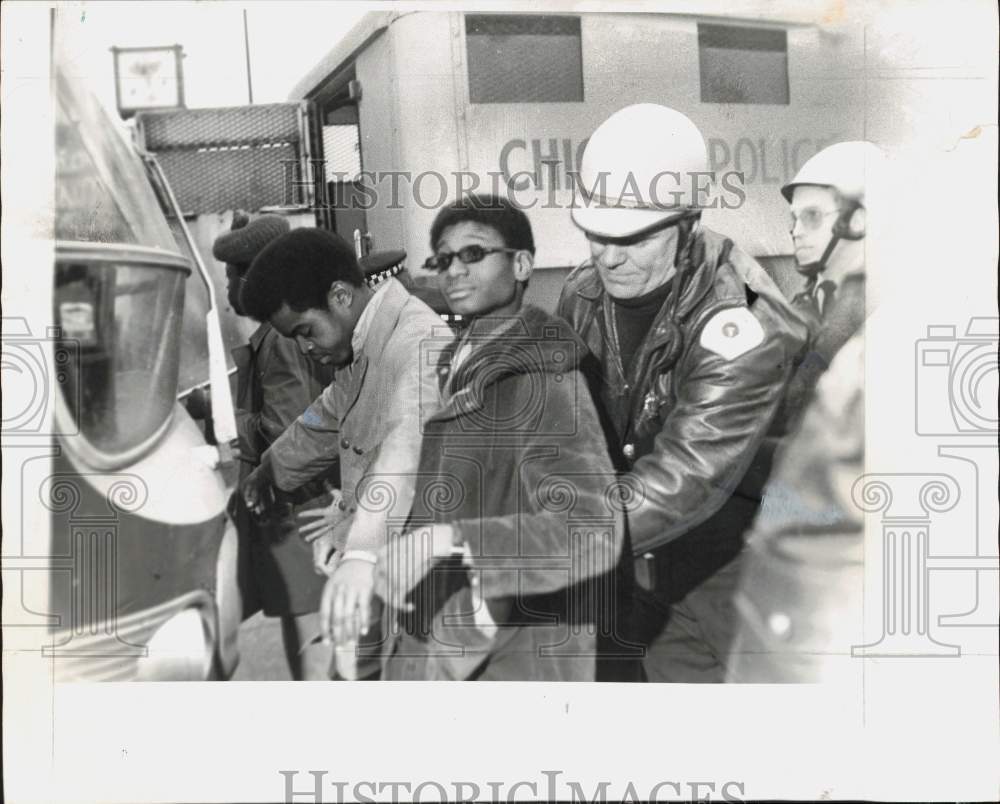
(825, 292)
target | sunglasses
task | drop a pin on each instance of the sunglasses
(441, 261)
(811, 218)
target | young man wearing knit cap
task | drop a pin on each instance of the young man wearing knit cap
(275, 383)
(692, 345)
(309, 285)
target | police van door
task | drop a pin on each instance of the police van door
(340, 135)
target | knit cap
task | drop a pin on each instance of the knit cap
(247, 238)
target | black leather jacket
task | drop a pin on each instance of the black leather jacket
(687, 421)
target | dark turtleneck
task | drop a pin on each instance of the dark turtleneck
(633, 319)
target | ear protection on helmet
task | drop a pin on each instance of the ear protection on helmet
(844, 227)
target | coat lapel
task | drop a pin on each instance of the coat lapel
(380, 329)
(355, 382)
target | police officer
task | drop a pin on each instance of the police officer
(828, 225)
(800, 594)
(691, 348)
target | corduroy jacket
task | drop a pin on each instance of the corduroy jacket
(516, 463)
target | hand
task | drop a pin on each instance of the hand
(345, 610)
(324, 551)
(405, 560)
(325, 529)
(258, 493)
(315, 523)
(325, 546)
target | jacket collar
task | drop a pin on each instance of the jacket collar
(380, 327)
(706, 252)
(529, 343)
(383, 319)
(258, 335)
(590, 288)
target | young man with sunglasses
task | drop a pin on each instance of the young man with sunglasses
(692, 347)
(508, 564)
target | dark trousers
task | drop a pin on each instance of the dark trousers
(689, 641)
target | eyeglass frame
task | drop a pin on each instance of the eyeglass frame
(430, 263)
(811, 227)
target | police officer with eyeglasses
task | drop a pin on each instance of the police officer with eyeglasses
(799, 599)
(827, 199)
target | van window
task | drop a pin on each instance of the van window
(743, 65)
(122, 311)
(342, 152)
(524, 58)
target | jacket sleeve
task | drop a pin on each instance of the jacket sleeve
(287, 389)
(385, 494)
(808, 519)
(570, 523)
(709, 437)
(309, 446)
(287, 386)
(826, 340)
(247, 432)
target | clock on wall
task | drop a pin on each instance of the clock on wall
(148, 78)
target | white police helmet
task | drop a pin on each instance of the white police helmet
(636, 171)
(847, 167)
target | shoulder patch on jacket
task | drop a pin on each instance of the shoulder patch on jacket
(732, 332)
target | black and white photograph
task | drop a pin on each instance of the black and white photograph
(651, 346)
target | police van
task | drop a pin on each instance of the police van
(412, 109)
(119, 558)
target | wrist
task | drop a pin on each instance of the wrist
(456, 544)
(360, 555)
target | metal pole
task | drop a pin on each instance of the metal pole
(246, 46)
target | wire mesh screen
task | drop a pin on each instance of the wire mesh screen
(742, 65)
(524, 59)
(342, 152)
(245, 157)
